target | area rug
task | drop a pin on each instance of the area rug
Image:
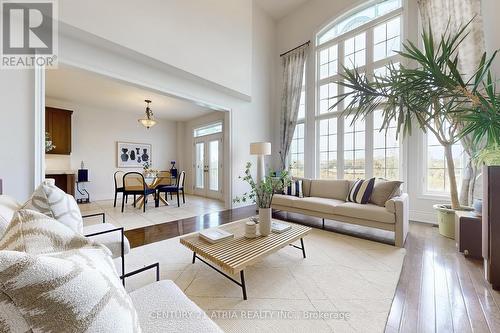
(345, 284)
(133, 218)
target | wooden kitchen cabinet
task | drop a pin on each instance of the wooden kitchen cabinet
(58, 125)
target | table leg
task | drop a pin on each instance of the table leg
(140, 201)
(243, 285)
(164, 201)
(240, 283)
(303, 247)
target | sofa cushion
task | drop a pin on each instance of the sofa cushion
(72, 291)
(332, 189)
(316, 204)
(369, 212)
(8, 206)
(112, 240)
(361, 191)
(163, 307)
(284, 200)
(48, 199)
(384, 190)
(36, 233)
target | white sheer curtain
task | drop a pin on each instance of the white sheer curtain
(293, 72)
(438, 14)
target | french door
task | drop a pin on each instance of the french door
(208, 166)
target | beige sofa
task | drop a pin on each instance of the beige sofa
(327, 199)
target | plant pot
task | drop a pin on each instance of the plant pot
(478, 206)
(446, 219)
(265, 221)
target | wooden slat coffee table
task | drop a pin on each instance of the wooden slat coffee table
(235, 254)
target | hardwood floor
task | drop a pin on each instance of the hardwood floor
(155, 233)
(439, 289)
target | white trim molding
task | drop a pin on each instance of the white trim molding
(425, 217)
(39, 126)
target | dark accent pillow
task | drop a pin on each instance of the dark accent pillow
(295, 189)
(361, 191)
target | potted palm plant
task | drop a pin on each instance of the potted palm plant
(435, 97)
(262, 193)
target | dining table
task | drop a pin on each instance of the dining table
(152, 181)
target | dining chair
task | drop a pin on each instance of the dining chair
(177, 188)
(118, 176)
(134, 184)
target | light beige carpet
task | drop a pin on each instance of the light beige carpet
(349, 282)
(133, 218)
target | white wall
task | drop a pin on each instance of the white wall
(249, 119)
(16, 132)
(208, 38)
(95, 133)
(300, 25)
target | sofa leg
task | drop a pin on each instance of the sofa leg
(323, 223)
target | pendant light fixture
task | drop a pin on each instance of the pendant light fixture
(148, 121)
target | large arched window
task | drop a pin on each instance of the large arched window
(368, 39)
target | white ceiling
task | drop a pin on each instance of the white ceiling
(77, 86)
(279, 8)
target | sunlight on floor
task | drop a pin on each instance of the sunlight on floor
(133, 218)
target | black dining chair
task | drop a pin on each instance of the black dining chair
(173, 189)
(118, 176)
(134, 184)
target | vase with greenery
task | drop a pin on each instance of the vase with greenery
(262, 193)
(49, 145)
(432, 95)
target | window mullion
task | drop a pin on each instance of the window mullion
(340, 119)
(369, 146)
(340, 147)
(369, 118)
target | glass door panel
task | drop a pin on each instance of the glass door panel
(213, 166)
(200, 165)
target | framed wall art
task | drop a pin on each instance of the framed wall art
(133, 155)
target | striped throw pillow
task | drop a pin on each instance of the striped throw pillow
(361, 191)
(294, 188)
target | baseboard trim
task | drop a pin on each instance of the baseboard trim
(422, 216)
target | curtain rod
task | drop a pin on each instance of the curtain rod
(306, 43)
